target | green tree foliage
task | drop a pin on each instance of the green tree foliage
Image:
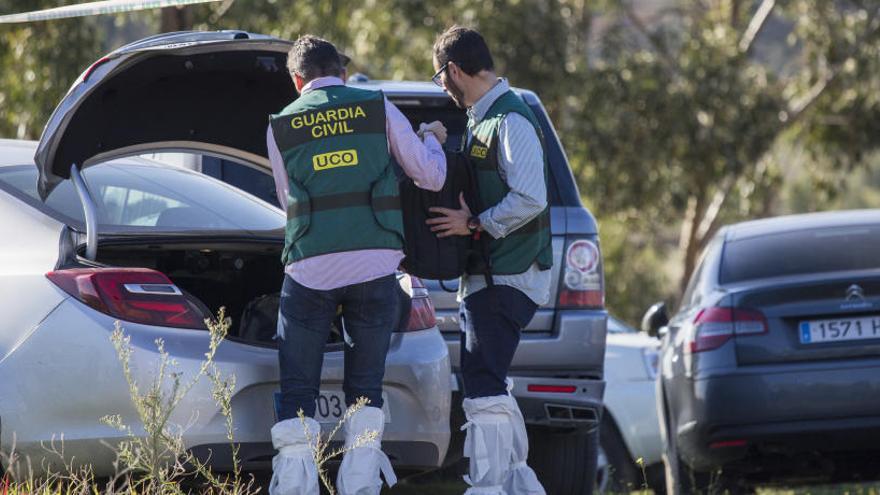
(39, 62)
(678, 117)
(682, 119)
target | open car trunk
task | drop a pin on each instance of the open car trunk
(241, 277)
(245, 278)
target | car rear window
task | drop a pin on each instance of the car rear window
(140, 197)
(801, 252)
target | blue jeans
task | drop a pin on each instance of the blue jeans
(370, 311)
(492, 319)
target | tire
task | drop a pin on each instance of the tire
(680, 478)
(565, 462)
(621, 475)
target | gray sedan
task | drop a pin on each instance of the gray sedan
(770, 369)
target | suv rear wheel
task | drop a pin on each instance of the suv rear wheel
(623, 475)
(565, 461)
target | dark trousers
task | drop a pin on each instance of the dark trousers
(370, 312)
(492, 320)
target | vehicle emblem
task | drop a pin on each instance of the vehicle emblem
(855, 293)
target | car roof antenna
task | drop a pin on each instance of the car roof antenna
(89, 210)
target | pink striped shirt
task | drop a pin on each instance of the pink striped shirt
(424, 162)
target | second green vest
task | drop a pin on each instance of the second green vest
(530, 243)
(343, 191)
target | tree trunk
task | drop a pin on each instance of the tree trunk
(690, 241)
(176, 19)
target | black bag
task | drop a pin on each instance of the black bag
(428, 256)
(259, 321)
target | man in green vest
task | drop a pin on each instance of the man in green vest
(504, 145)
(331, 153)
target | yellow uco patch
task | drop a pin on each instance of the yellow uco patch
(479, 151)
(344, 158)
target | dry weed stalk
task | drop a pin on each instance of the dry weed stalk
(151, 463)
(155, 462)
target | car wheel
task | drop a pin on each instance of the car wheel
(680, 479)
(622, 474)
(565, 461)
(603, 471)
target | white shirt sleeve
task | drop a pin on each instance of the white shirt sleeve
(279, 171)
(424, 162)
(521, 164)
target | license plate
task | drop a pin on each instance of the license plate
(330, 406)
(839, 330)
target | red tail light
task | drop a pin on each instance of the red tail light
(713, 327)
(553, 389)
(726, 444)
(581, 285)
(421, 316)
(137, 295)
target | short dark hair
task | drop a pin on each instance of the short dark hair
(312, 57)
(464, 47)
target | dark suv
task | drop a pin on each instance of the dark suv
(770, 369)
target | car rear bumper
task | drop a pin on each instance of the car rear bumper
(69, 376)
(418, 392)
(581, 409)
(757, 412)
(823, 450)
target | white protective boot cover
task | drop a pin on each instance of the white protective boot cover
(521, 480)
(488, 444)
(359, 472)
(293, 469)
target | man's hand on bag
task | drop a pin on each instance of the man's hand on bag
(437, 128)
(451, 222)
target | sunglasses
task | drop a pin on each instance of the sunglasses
(438, 74)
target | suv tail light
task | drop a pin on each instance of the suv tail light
(715, 326)
(138, 295)
(581, 284)
(421, 315)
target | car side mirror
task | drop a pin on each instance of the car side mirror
(655, 319)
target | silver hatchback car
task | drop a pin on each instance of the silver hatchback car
(96, 233)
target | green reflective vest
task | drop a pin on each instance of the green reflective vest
(530, 243)
(343, 191)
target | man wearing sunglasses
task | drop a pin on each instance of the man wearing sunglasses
(503, 143)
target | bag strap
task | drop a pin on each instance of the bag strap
(479, 243)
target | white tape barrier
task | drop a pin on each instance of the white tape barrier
(95, 8)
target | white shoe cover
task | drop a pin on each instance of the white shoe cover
(498, 447)
(293, 469)
(488, 445)
(359, 472)
(522, 480)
